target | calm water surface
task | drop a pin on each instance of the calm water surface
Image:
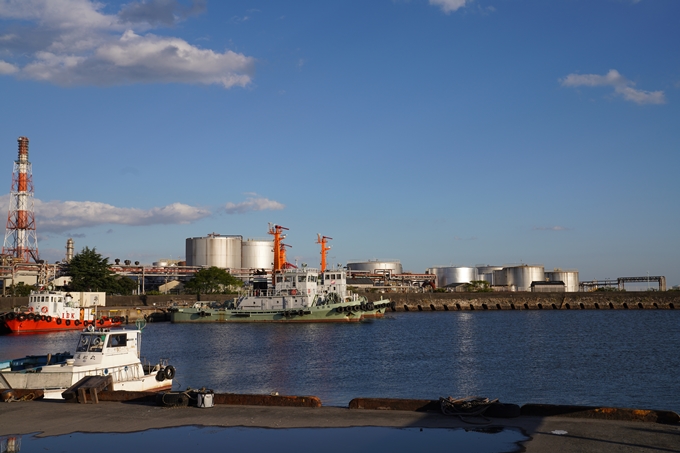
(613, 358)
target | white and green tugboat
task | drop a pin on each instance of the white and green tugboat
(298, 295)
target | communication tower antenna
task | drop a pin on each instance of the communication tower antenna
(21, 240)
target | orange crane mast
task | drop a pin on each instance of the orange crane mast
(277, 232)
(323, 240)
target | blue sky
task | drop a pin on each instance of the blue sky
(441, 132)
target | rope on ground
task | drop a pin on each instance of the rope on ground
(470, 406)
(27, 397)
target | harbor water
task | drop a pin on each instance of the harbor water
(609, 358)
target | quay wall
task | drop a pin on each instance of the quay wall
(137, 306)
(531, 301)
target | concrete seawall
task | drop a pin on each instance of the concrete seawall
(137, 306)
(531, 301)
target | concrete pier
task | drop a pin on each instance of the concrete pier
(566, 432)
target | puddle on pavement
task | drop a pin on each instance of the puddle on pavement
(293, 440)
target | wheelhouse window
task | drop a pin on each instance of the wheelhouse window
(117, 340)
(301, 278)
(91, 343)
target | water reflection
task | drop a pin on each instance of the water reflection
(618, 358)
(331, 440)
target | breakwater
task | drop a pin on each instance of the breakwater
(648, 300)
(137, 306)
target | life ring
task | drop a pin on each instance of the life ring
(293, 292)
(48, 318)
(68, 322)
(30, 309)
(43, 309)
(160, 376)
(169, 372)
(101, 322)
(59, 321)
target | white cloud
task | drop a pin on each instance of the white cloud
(7, 68)
(253, 203)
(61, 216)
(73, 43)
(449, 6)
(622, 86)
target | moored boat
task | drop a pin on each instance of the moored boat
(50, 311)
(99, 352)
(294, 295)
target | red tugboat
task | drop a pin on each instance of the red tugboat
(52, 311)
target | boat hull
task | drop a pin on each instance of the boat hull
(336, 313)
(38, 325)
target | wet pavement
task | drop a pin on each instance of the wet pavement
(334, 426)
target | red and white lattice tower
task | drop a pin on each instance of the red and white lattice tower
(21, 240)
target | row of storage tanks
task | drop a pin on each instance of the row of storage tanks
(229, 252)
(233, 252)
(515, 278)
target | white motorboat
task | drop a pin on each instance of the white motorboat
(100, 352)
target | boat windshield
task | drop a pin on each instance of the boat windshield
(90, 343)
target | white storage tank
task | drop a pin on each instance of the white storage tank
(215, 250)
(568, 277)
(257, 254)
(453, 275)
(520, 277)
(486, 273)
(376, 267)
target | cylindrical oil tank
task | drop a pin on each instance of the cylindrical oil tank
(257, 254)
(453, 275)
(486, 273)
(568, 277)
(215, 250)
(520, 277)
(500, 277)
(376, 267)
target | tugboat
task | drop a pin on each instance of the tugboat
(99, 352)
(51, 311)
(299, 295)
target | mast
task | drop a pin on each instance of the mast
(277, 232)
(323, 240)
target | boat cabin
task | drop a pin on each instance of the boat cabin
(106, 346)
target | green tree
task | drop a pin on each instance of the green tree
(212, 280)
(90, 272)
(20, 289)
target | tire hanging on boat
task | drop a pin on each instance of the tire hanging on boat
(48, 318)
(160, 376)
(59, 321)
(169, 372)
(68, 322)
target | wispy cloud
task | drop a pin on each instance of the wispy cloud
(552, 228)
(72, 42)
(253, 203)
(449, 6)
(166, 12)
(622, 86)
